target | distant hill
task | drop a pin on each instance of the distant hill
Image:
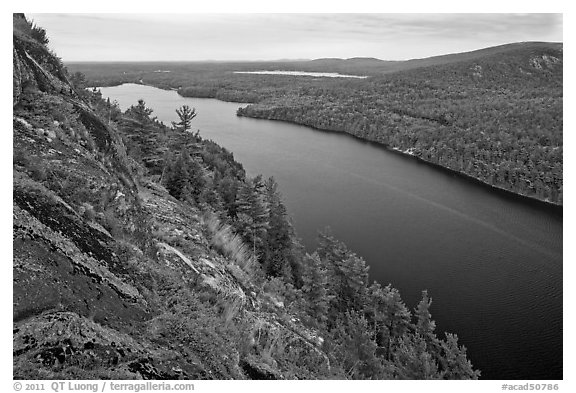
(535, 64)
(110, 73)
(481, 53)
(493, 114)
(373, 66)
(360, 61)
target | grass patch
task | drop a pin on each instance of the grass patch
(229, 244)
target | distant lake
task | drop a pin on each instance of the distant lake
(302, 73)
(492, 264)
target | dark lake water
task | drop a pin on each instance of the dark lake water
(492, 264)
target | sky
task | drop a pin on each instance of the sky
(250, 37)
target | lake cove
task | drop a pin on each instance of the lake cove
(491, 264)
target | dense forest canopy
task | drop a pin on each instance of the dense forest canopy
(494, 114)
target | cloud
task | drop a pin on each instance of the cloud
(267, 36)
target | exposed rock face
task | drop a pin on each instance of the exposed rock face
(108, 270)
(545, 62)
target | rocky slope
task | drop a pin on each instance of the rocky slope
(109, 270)
(144, 252)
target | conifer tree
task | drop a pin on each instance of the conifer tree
(186, 114)
(314, 288)
(140, 112)
(455, 362)
(356, 269)
(227, 188)
(185, 178)
(348, 274)
(413, 361)
(78, 80)
(279, 258)
(424, 324)
(252, 212)
(375, 310)
(177, 176)
(355, 348)
(395, 315)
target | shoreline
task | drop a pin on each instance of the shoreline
(531, 200)
(555, 208)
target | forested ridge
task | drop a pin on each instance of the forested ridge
(143, 251)
(499, 123)
(494, 114)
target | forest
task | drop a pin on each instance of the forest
(494, 115)
(144, 251)
(366, 329)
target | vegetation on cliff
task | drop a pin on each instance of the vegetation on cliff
(142, 251)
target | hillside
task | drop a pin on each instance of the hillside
(374, 67)
(501, 50)
(144, 252)
(494, 115)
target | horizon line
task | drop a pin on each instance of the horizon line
(305, 60)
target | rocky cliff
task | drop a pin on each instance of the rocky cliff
(114, 277)
(145, 252)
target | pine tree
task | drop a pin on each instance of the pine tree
(331, 253)
(196, 179)
(424, 325)
(356, 350)
(227, 188)
(278, 259)
(314, 288)
(186, 114)
(357, 271)
(140, 112)
(348, 274)
(177, 175)
(330, 249)
(185, 179)
(413, 361)
(78, 80)
(392, 314)
(455, 362)
(374, 309)
(252, 212)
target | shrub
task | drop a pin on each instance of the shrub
(38, 172)
(198, 330)
(20, 158)
(111, 223)
(87, 211)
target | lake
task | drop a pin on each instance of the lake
(491, 264)
(303, 73)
